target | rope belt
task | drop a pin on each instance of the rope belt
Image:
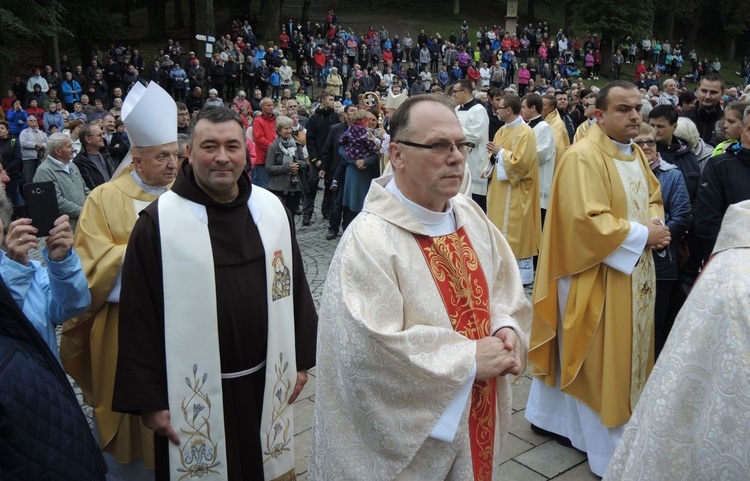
(234, 375)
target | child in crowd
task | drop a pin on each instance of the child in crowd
(359, 141)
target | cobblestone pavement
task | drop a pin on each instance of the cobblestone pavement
(527, 455)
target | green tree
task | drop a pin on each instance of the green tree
(612, 20)
(93, 25)
(26, 25)
(736, 23)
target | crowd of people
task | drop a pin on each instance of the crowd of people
(172, 207)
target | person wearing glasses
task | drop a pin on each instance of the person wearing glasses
(513, 193)
(594, 296)
(588, 101)
(423, 320)
(677, 213)
(95, 165)
(88, 347)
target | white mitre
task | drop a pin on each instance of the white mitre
(150, 118)
(395, 101)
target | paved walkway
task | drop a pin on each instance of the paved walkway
(527, 456)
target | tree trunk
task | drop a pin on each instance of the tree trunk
(567, 16)
(179, 22)
(305, 12)
(191, 21)
(51, 53)
(84, 49)
(670, 20)
(731, 48)
(270, 20)
(456, 7)
(695, 23)
(157, 17)
(126, 7)
(606, 50)
(531, 10)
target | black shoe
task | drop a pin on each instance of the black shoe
(306, 221)
(561, 440)
(297, 211)
(332, 234)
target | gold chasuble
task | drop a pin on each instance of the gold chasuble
(455, 268)
(513, 205)
(88, 346)
(606, 345)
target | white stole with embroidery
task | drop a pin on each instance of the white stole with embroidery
(192, 348)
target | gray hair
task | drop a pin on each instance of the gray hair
(283, 121)
(687, 131)
(57, 141)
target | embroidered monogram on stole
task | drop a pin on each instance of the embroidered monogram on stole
(642, 279)
(455, 268)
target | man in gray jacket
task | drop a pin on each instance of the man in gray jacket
(59, 168)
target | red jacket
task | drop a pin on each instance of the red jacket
(264, 133)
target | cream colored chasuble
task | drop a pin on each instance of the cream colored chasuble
(192, 348)
(642, 278)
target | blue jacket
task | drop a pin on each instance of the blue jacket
(67, 89)
(43, 432)
(47, 296)
(17, 121)
(677, 215)
(51, 119)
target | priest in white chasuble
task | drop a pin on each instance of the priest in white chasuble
(217, 324)
(423, 321)
(513, 194)
(693, 419)
(592, 333)
(88, 346)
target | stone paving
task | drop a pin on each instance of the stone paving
(527, 455)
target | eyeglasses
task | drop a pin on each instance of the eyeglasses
(589, 104)
(455, 91)
(644, 143)
(443, 147)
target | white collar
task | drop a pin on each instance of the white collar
(436, 223)
(151, 189)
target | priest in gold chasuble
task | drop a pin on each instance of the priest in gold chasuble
(423, 321)
(592, 333)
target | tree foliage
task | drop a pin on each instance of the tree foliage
(614, 18)
(26, 23)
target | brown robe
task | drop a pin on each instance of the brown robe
(239, 259)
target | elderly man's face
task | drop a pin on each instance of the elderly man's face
(425, 176)
(266, 106)
(65, 153)
(218, 156)
(156, 165)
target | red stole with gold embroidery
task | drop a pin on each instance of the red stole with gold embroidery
(460, 280)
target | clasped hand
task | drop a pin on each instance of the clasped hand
(499, 355)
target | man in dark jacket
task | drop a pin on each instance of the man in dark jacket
(41, 436)
(95, 165)
(318, 127)
(708, 111)
(725, 180)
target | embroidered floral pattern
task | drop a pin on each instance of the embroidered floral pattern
(460, 280)
(277, 441)
(198, 452)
